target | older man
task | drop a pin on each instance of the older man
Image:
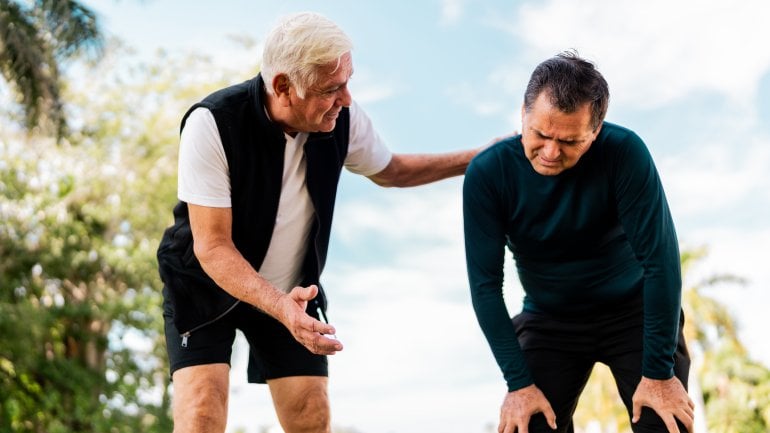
(259, 164)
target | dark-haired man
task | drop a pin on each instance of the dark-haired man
(579, 203)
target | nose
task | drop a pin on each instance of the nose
(344, 99)
(550, 150)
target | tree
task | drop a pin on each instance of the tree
(34, 44)
(735, 390)
(81, 343)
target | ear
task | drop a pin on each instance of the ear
(282, 89)
(598, 129)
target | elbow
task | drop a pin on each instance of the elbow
(393, 175)
(383, 182)
(204, 251)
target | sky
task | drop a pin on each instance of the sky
(691, 77)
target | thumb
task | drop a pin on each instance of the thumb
(550, 416)
(305, 293)
(637, 411)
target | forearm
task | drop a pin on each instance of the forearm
(662, 308)
(498, 329)
(407, 170)
(230, 270)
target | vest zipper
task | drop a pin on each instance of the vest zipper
(321, 315)
(186, 335)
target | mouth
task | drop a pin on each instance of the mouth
(332, 116)
(549, 162)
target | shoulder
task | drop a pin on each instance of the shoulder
(494, 166)
(233, 93)
(497, 156)
(620, 142)
(615, 135)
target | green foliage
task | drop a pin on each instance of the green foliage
(36, 38)
(75, 279)
(735, 390)
(81, 347)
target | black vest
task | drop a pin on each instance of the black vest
(254, 147)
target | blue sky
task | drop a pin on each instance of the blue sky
(691, 77)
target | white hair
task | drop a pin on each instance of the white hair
(298, 45)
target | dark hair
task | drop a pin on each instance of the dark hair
(570, 82)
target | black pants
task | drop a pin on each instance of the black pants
(561, 353)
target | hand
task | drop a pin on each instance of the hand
(668, 399)
(520, 405)
(498, 139)
(305, 329)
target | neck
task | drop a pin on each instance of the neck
(278, 114)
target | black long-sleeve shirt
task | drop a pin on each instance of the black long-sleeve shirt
(583, 241)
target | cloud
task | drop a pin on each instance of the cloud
(406, 319)
(739, 252)
(727, 173)
(451, 11)
(656, 51)
(367, 87)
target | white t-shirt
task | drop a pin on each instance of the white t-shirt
(204, 180)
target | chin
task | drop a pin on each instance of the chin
(548, 171)
(327, 126)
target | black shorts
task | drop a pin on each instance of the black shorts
(274, 353)
(561, 354)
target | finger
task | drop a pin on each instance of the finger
(690, 412)
(523, 427)
(321, 345)
(550, 416)
(310, 328)
(670, 422)
(506, 426)
(687, 418)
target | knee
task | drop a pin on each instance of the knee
(310, 413)
(200, 406)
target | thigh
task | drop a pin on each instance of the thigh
(560, 374)
(301, 403)
(200, 398)
(212, 344)
(274, 353)
(627, 370)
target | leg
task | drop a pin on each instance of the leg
(560, 361)
(296, 377)
(561, 379)
(302, 403)
(200, 375)
(627, 367)
(200, 398)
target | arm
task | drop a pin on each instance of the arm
(646, 218)
(484, 227)
(220, 259)
(405, 170)
(484, 221)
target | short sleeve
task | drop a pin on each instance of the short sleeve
(367, 152)
(204, 176)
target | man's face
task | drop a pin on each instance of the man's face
(553, 140)
(324, 99)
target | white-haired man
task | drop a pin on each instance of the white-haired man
(259, 164)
